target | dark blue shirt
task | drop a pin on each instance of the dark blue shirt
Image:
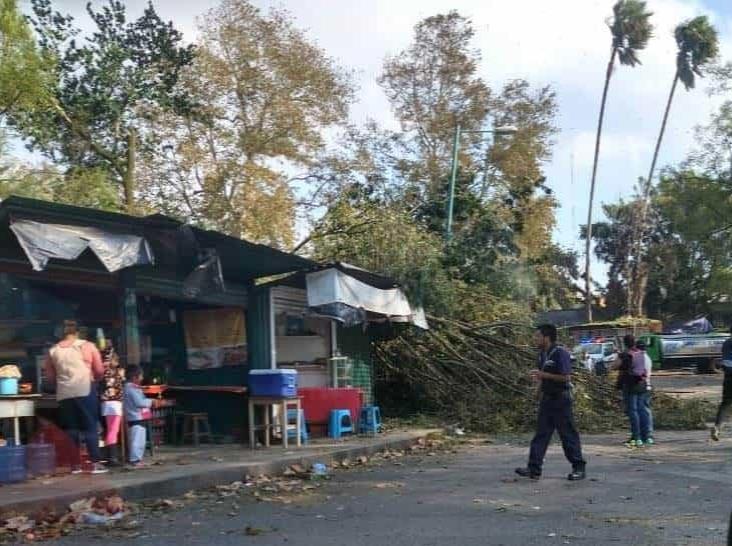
(727, 349)
(556, 360)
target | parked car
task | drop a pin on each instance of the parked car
(601, 354)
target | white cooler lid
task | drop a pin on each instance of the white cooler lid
(279, 371)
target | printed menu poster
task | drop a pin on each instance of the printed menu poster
(215, 338)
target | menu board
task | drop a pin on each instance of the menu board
(215, 338)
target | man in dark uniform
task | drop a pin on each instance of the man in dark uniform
(555, 408)
(725, 405)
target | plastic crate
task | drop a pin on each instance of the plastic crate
(279, 383)
(12, 464)
(41, 460)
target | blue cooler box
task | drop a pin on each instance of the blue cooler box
(8, 386)
(273, 383)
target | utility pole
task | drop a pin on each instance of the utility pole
(507, 130)
(453, 176)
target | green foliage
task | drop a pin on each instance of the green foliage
(698, 44)
(631, 29)
(265, 95)
(24, 72)
(101, 86)
(82, 187)
(688, 251)
(434, 85)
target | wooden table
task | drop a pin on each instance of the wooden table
(207, 388)
(269, 403)
(16, 406)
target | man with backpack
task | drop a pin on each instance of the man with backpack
(632, 376)
(645, 410)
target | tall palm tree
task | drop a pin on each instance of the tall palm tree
(631, 29)
(698, 44)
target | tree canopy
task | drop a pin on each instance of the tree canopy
(101, 86)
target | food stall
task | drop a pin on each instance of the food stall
(172, 298)
(323, 326)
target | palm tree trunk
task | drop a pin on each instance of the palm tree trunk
(637, 284)
(658, 143)
(588, 243)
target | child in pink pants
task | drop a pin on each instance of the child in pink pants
(112, 393)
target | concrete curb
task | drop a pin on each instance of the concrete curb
(175, 486)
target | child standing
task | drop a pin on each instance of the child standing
(137, 410)
(112, 393)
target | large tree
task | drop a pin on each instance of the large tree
(266, 96)
(631, 29)
(433, 87)
(102, 86)
(515, 163)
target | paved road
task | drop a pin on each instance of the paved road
(675, 493)
(687, 384)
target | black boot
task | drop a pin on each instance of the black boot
(528, 473)
(577, 474)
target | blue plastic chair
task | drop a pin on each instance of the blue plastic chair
(292, 418)
(340, 423)
(370, 420)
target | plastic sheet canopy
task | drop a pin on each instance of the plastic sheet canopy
(334, 293)
(42, 242)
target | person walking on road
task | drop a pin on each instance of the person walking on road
(554, 374)
(726, 404)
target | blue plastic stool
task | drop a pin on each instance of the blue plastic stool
(292, 418)
(370, 420)
(340, 423)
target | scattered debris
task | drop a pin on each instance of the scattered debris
(389, 485)
(254, 531)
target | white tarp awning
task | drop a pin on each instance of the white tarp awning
(42, 242)
(332, 287)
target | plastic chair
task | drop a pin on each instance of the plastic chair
(292, 418)
(370, 420)
(340, 423)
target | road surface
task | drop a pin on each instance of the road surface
(675, 493)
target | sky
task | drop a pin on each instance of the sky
(563, 43)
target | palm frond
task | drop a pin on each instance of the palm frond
(631, 30)
(698, 43)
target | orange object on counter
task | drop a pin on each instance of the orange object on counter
(154, 390)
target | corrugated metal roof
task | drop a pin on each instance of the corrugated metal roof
(241, 260)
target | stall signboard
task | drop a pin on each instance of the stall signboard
(215, 338)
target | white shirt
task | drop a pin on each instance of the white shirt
(589, 363)
(649, 368)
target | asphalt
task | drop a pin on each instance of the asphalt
(677, 492)
(175, 470)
